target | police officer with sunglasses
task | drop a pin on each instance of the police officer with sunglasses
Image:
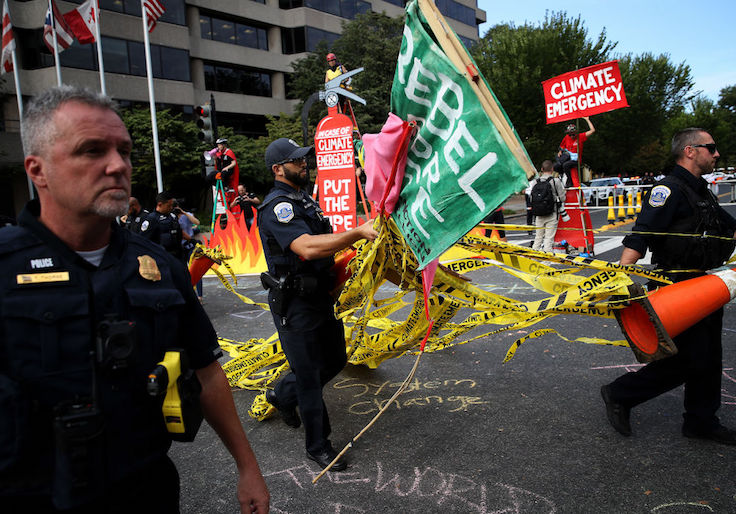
(299, 245)
(681, 203)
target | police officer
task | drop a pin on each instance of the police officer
(299, 245)
(681, 204)
(136, 215)
(87, 310)
(162, 225)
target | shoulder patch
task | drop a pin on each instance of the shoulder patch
(659, 195)
(144, 226)
(284, 212)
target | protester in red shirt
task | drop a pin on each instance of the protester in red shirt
(571, 147)
(227, 164)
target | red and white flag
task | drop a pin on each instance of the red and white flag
(64, 37)
(8, 41)
(83, 21)
(154, 9)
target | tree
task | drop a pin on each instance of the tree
(251, 151)
(516, 60)
(657, 91)
(179, 149)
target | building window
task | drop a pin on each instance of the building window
(128, 57)
(121, 56)
(344, 8)
(303, 39)
(175, 10)
(251, 125)
(232, 32)
(456, 11)
(293, 41)
(314, 36)
(238, 80)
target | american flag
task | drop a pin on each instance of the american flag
(64, 37)
(8, 41)
(154, 9)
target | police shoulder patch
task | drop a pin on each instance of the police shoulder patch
(284, 212)
(144, 226)
(659, 195)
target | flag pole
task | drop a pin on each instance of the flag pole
(19, 97)
(57, 65)
(151, 99)
(98, 42)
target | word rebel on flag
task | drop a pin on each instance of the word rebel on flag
(459, 166)
(584, 92)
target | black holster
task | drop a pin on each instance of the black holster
(278, 296)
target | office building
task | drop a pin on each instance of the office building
(239, 50)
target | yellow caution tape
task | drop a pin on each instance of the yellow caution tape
(572, 285)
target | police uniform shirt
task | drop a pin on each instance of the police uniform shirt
(666, 203)
(51, 304)
(163, 229)
(134, 222)
(285, 215)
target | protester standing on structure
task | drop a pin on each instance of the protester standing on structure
(93, 310)
(681, 204)
(227, 165)
(570, 149)
(335, 70)
(299, 246)
(548, 204)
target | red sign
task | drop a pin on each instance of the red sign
(584, 92)
(333, 143)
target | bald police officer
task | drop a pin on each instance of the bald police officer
(681, 203)
(299, 246)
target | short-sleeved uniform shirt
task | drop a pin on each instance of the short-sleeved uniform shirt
(284, 215)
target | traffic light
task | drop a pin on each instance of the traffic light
(206, 122)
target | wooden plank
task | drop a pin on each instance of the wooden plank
(457, 54)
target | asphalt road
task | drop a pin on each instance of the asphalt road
(473, 435)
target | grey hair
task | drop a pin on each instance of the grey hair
(37, 128)
(685, 137)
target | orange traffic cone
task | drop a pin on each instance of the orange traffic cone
(199, 263)
(650, 322)
(494, 235)
(341, 269)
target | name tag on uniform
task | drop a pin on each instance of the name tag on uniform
(41, 278)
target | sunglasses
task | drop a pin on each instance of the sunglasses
(298, 160)
(711, 147)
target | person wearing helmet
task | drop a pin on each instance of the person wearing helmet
(227, 165)
(571, 147)
(335, 70)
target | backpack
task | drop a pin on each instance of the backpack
(543, 198)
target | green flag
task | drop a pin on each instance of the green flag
(459, 167)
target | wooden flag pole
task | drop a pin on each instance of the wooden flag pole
(457, 54)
